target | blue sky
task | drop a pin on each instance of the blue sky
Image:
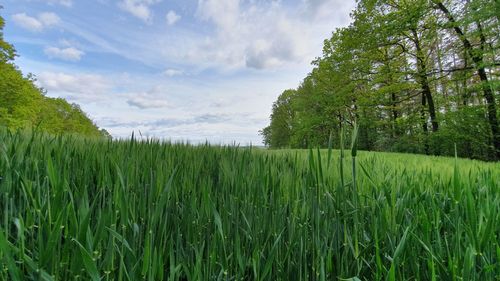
(176, 69)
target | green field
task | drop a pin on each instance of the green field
(83, 209)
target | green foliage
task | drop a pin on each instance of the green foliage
(278, 132)
(60, 116)
(73, 208)
(19, 99)
(23, 104)
(402, 71)
(7, 51)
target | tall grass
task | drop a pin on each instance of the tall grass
(83, 209)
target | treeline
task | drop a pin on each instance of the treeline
(418, 76)
(24, 105)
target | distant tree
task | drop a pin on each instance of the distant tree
(23, 104)
(279, 133)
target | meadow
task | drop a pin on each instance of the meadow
(90, 209)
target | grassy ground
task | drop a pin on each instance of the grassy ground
(81, 209)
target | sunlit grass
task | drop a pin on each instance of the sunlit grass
(84, 209)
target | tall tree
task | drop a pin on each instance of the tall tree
(278, 133)
(477, 53)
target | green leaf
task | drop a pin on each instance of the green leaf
(89, 262)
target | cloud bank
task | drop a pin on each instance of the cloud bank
(36, 23)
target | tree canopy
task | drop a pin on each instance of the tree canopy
(24, 105)
(417, 75)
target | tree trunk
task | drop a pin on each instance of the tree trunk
(477, 58)
(395, 116)
(424, 82)
(444, 81)
(464, 81)
(424, 124)
(394, 103)
(422, 115)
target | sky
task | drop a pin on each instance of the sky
(183, 70)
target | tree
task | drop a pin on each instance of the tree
(7, 51)
(418, 76)
(23, 104)
(279, 131)
(477, 53)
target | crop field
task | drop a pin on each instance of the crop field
(88, 209)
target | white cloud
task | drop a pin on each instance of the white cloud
(224, 13)
(76, 87)
(139, 8)
(147, 101)
(172, 17)
(258, 35)
(27, 22)
(271, 51)
(67, 3)
(151, 99)
(48, 19)
(68, 54)
(173, 72)
(36, 24)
